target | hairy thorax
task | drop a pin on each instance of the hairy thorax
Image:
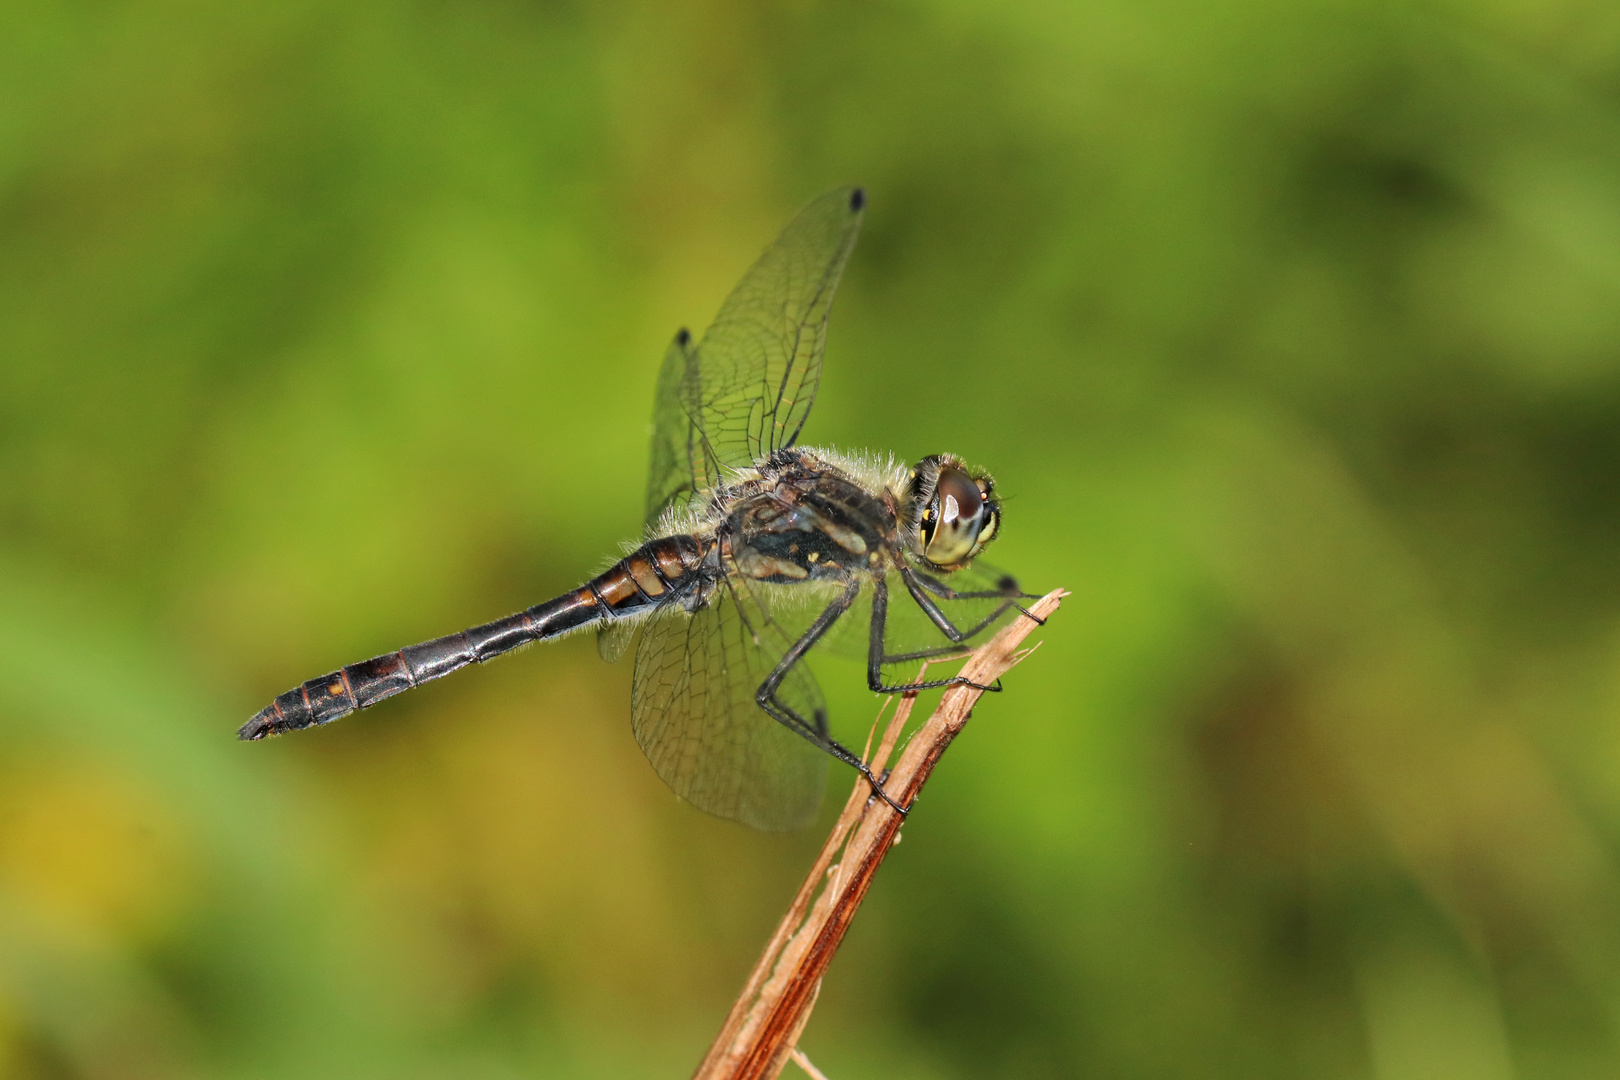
(802, 518)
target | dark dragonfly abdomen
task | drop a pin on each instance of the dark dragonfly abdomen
(658, 572)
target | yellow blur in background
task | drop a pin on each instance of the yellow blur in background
(1291, 332)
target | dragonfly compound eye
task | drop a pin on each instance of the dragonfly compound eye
(954, 518)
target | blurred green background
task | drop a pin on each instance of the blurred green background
(1290, 329)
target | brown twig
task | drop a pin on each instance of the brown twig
(762, 1030)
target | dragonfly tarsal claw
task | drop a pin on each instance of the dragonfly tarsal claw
(879, 793)
(1036, 619)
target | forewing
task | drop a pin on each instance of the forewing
(760, 362)
(693, 712)
(678, 468)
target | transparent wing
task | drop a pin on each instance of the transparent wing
(678, 468)
(747, 390)
(759, 363)
(613, 639)
(693, 712)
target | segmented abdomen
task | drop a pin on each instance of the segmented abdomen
(656, 573)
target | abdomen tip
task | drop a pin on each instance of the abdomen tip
(256, 728)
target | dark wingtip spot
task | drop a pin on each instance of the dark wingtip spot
(683, 336)
(857, 200)
(1008, 583)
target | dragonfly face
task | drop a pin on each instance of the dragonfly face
(956, 513)
(754, 548)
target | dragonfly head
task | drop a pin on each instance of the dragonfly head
(953, 513)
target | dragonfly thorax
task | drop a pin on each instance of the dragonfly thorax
(805, 519)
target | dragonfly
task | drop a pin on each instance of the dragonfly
(755, 551)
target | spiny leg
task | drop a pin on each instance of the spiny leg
(875, 657)
(816, 731)
(938, 617)
(925, 654)
(945, 592)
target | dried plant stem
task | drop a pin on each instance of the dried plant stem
(762, 1030)
(804, 1063)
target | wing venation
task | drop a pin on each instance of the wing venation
(747, 388)
(693, 713)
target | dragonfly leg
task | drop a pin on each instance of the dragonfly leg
(920, 585)
(876, 657)
(815, 730)
(945, 592)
